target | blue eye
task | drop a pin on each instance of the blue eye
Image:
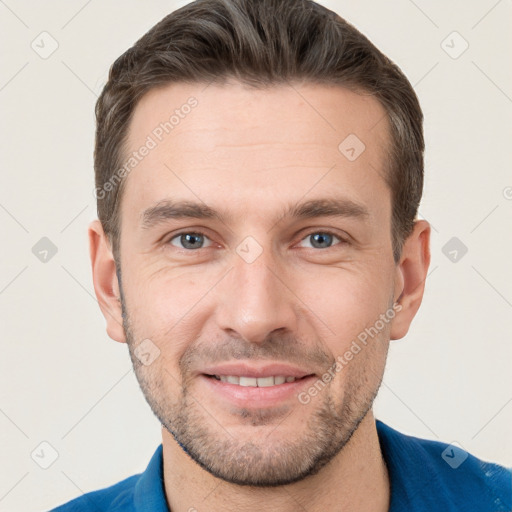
(321, 239)
(190, 241)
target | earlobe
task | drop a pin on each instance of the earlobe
(106, 286)
(410, 278)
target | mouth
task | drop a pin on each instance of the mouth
(248, 386)
(260, 382)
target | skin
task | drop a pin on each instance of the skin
(249, 154)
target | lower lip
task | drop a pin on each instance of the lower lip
(255, 397)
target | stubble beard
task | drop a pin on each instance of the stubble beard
(273, 460)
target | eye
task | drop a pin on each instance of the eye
(321, 239)
(189, 240)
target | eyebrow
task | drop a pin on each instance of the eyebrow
(167, 209)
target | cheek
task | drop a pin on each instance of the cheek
(169, 310)
(347, 300)
(162, 295)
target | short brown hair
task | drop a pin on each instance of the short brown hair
(260, 43)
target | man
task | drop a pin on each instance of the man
(259, 166)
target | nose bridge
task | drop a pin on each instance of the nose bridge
(255, 300)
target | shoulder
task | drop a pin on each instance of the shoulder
(467, 477)
(426, 470)
(144, 491)
(117, 497)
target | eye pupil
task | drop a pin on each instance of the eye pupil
(188, 239)
(321, 239)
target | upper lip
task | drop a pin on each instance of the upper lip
(253, 370)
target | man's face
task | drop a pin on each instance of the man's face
(265, 288)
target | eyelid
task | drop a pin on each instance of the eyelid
(342, 239)
(188, 232)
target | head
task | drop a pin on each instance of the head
(259, 167)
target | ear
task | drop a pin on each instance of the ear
(411, 272)
(105, 281)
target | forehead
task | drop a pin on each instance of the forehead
(250, 149)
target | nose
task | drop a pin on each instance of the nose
(255, 300)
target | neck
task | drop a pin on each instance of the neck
(356, 479)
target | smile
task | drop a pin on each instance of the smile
(260, 382)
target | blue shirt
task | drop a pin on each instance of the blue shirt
(424, 475)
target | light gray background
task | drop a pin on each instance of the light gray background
(63, 381)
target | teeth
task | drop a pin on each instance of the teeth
(248, 381)
(261, 382)
(264, 382)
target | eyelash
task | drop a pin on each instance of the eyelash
(342, 241)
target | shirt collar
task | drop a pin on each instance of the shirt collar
(411, 469)
(149, 491)
(405, 461)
